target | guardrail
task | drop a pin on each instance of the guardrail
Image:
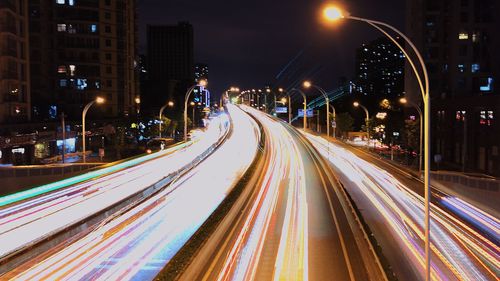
(489, 184)
(86, 225)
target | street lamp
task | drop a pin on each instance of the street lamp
(332, 13)
(405, 101)
(307, 85)
(305, 105)
(202, 83)
(169, 104)
(357, 104)
(98, 100)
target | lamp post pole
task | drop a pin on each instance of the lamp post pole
(333, 14)
(84, 114)
(170, 103)
(367, 120)
(186, 98)
(327, 102)
(305, 106)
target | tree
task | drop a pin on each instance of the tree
(345, 123)
(411, 134)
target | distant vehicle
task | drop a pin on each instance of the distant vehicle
(158, 144)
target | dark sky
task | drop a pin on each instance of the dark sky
(246, 43)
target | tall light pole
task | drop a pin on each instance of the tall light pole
(405, 101)
(307, 85)
(169, 104)
(289, 105)
(334, 120)
(332, 14)
(367, 120)
(305, 105)
(202, 83)
(98, 100)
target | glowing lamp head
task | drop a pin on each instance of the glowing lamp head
(283, 100)
(356, 104)
(307, 84)
(192, 103)
(280, 90)
(268, 90)
(137, 100)
(403, 101)
(203, 83)
(100, 100)
(332, 13)
(170, 104)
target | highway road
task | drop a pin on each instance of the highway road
(392, 205)
(136, 244)
(295, 225)
(31, 220)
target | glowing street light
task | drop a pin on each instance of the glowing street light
(367, 120)
(307, 85)
(169, 104)
(331, 14)
(202, 83)
(98, 100)
(405, 101)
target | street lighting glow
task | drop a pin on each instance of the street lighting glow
(307, 84)
(203, 83)
(356, 104)
(170, 103)
(280, 90)
(403, 100)
(332, 13)
(283, 100)
(100, 100)
(192, 103)
(137, 100)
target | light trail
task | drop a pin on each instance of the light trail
(284, 174)
(459, 251)
(137, 244)
(30, 221)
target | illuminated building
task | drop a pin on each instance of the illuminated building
(459, 41)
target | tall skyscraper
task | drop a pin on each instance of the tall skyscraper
(170, 63)
(459, 41)
(14, 66)
(200, 72)
(379, 70)
(80, 50)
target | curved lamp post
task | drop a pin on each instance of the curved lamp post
(169, 104)
(305, 105)
(331, 14)
(202, 83)
(98, 100)
(289, 104)
(367, 120)
(405, 101)
(307, 85)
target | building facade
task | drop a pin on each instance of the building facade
(170, 64)
(80, 50)
(459, 41)
(14, 62)
(379, 70)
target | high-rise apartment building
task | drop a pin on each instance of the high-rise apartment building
(80, 50)
(379, 70)
(170, 63)
(14, 66)
(459, 41)
(200, 72)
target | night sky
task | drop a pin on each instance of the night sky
(247, 43)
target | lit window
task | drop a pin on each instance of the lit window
(463, 35)
(61, 69)
(81, 84)
(72, 69)
(486, 117)
(61, 27)
(486, 85)
(461, 68)
(475, 37)
(63, 83)
(97, 84)
(71, 2)
(460, 116)
(93, 28)
(53, 111)
(71, 29)
(61, 1)
(475, 67)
